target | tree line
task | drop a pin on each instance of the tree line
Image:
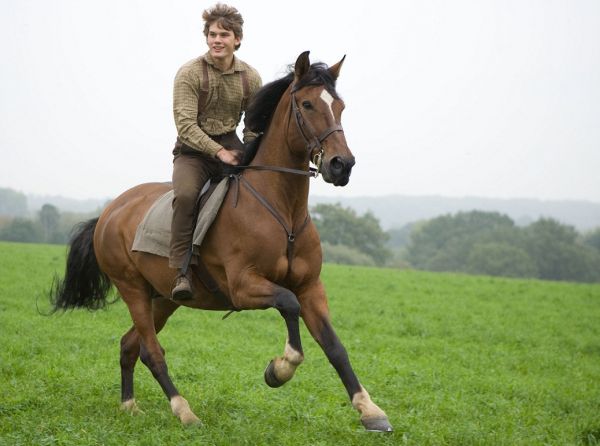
(48, 226)
(490, 243)
(475, 242)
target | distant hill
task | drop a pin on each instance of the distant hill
(14, 203)
(35, 203)
(395, 211)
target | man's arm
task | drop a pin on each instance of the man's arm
(185, 111)
(255, 83)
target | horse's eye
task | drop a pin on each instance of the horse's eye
(307, 105)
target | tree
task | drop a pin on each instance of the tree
(550, 243)
(345, 255)
(49, 219)
(12, 203)
(558, 252)
(400, 237)
(444, 243)
(341, 226)
(500, 259)
(22, 230)
(592, 239)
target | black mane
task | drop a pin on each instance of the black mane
(261, 108)
(263, 104)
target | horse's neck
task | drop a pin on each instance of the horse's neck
(287, 191)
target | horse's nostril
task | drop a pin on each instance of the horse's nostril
(337, 164)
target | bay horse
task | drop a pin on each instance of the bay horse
(262, 251)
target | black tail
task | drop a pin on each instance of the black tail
(84, 284)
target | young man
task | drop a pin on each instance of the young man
(209, 96)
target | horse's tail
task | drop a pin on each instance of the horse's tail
(84, 284)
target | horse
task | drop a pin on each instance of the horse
(262, 251)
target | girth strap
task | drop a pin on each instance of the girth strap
(209, 282)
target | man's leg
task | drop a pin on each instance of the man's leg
(190, 173)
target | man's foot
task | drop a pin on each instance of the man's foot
(182, 289)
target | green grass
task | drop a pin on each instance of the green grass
(452, 359)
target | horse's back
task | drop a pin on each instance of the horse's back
(142, 193)
(118, 222)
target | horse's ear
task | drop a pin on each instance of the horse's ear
(335, 70)
(302, 65)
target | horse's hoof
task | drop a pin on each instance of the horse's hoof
(377, 424)
(181, 409)
(270, 377)
(131, 407)
(191, 420)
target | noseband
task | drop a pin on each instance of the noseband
(308, 133)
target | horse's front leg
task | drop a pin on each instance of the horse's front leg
(261, 293)
(282, 368)
(315, 313)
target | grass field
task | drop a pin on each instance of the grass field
(453, 360)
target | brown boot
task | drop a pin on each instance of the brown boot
(182, 289)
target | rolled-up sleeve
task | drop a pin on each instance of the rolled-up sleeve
(255, 83)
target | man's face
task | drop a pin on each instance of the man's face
(221, 42)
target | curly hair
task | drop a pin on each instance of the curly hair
(227, 17)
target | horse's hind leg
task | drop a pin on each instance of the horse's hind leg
(138, 300)
(130, 351)
(315, 314)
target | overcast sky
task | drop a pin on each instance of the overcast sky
(454, 98)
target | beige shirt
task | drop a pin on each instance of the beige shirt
(225, 102)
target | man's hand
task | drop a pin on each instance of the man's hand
(232, 157)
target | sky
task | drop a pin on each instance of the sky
(497, 99)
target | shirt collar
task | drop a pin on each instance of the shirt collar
(236, 66)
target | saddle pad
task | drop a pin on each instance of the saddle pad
(153, 234)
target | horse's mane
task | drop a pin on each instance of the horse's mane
(261, 108)
(263, 103)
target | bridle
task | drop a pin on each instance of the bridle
(308, 133)
(310, 138)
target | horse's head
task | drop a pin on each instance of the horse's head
(317, 110)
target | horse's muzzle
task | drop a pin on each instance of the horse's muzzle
(338, 169)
